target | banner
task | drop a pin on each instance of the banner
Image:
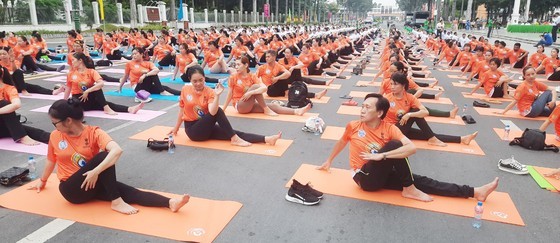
(101, 9)
(180, 13)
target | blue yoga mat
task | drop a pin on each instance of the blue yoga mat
(131, 93)
(180, 81)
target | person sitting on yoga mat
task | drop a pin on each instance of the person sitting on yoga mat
(529, 99)
(463, 58)
(260, 49)
(23, 53)
(80, 47)
(144, 76)
(16, 76)
(111, 49)
(246, 91)
(214, 58)
(480, 67)
(414, 87)
(406, 110)
(184, 61)
(553, 118)
(85, 84)
(200, 111)
(379, 154)
(312, 63)
(294, 66)
(273, 75)
(474, 62)
(517, 57)
(240, 50)
(551, 66)
(10, 125)
(449, 52)
(86, 157)
(495, 82)
(164, 54)
(536, 58)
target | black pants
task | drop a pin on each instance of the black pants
(153, 85)
(116, 55)
(107, 188)
(206, 129)
(186, 79)
(167, 60)
(21, 85)
(226, 49)
(489, 31)
(422, 96)
(415, 75)
(11, 127)
(394, 174)
(96, 101)
(313, 70)
(108, 78)
(554, 76)
(31, 65)
(498, 92)
(554, 32)
(520, 63)
(424, 131)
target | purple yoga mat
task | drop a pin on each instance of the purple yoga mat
(142, 115)
(9, 145)
(63, 79)
(121, 71)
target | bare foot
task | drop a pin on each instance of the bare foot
(438, 95)
(25, 93)
(468, 138)
(136, 108)
(59, 90)
(436, 142)
(434, 84)
(329, 82)
(122, 207)
(237, 141)
(271, 140)
(109, 111)
(320, 94)
(453, 112)
(413, 193)
(166, 93)
(481, 193)
(177, 203)
(28, 141)
(303, 110)
(270, 112)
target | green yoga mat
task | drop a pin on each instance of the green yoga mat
(540, 179)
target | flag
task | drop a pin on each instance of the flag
(101, 9)
(180, 12)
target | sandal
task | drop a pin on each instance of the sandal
(346, 97)
(350, 102)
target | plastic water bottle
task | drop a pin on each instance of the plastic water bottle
(478, 210)
(465, 106)
(171, 142)
(32, 167)
(318, 128)
(506, 132)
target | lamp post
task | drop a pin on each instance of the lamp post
(76, 15)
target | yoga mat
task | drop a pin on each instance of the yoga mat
(453, 76)
(8, 144)
(42, 96)
(483, 96)
(62, 79)
(365, 83)
(349, 73)
(551, 180)
(334, 133)
(323, 99)
(180, 81)
(540, 179)
(201, 220)
(141, 115)
(441, 100)
(332, 86)
(325, 77)
(462, 85)
(550, 138)
(160, 132)
(131, 93)
(510, 114)
(355, 110)
(121, 71)
(450, 71)
(230, 111)
(424, 79)
(498, 206)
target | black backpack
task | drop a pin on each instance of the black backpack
(104, 63)
(533, 139)
(297, 95)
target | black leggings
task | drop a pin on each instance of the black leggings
(21, 85)
(107, 188)
(167, 60)
(11, 127)
(186, 79)
(31, 65)
(108, 78)
(520, 63)
(152, 84)
(394, 174)
(424, 132)
(554, 76)
(422, 96)
(96, 101)
(206, 128)
(313, 70)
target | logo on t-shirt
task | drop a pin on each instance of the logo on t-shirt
(267, 71)
(189, 98)
(392, 104)
(62, 145)
(198, 110)
(78, 159)
(361, 133)
(239, 82)
(373, 147)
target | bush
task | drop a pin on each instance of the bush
(529, 28)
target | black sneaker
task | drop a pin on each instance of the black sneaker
(512, 166)
(306, 188)
(301, 197)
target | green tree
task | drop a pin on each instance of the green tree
(411, 5)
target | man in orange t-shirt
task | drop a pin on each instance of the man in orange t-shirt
(517, 57)
(274, 75)
(379, 158)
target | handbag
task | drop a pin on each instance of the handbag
(158, 145)
(13, 175)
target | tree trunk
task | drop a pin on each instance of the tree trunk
(133, 18)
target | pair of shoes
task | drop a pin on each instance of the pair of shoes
(148, 100)
(303, 194)
(480, 104)
(512, 166)
(346, 97)
(350, 102)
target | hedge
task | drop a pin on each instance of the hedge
(529, 28)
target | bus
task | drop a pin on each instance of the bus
(408, 19)
(419, 18)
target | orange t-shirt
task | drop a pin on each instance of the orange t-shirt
(482, 67)
(181, 61)
(489, 79)
(260, 50)
(450, 53)
(386, 85)
(98, 39)
(239, 85)
(8, 92)
(11, 67)
(238, 50)
(366, 139)
(70, 43)
(19, 50)
(549, 64)
(136, 69)
(12, 41)
(514, 55)
(108, 46)
(160, 51)
(212, 56)
(267, 72)
(464, 58)
(399, 107)
(289, 63)
(80, 81)
(526, 95)
(536, 59)
(195, 104)
(553, 118)
(70, 153)
(307, 59)
(275, 45)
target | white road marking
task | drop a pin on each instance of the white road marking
(512, 125)
(48, 231)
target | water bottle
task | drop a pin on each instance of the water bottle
(478, 210)
(32, 167)
(318, 127)
(171, 142)
(506, 132)
(465, 109)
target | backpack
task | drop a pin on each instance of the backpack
(357, 70)
(104, 63)
(533, 139)
(297, 95)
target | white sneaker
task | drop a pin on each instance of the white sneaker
(512, 166)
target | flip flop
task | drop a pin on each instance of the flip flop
(346, 97)
(350, 102)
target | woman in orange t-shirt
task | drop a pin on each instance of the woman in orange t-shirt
(463, 58)
(86, 157)
(98, 39)
(143, 75)
(495, 82)
(10, 125)
(260, 49)
(111, 48)
(184, 61)
(551, 66)
(530, 101)
(85, 84)
(214, 58)
(24, 52)
(204, 119)
(536, 58)
(241, 50)
(294, 66)
(164, 54)
(311, 61)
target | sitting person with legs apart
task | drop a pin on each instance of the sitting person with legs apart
(551, 66)
(494, 81)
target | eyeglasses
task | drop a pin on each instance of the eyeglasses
(55, 123)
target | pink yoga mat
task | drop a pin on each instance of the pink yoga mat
(142, 115)
(43, 97)
(121, 71)
(9, 145)
(63, 79)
